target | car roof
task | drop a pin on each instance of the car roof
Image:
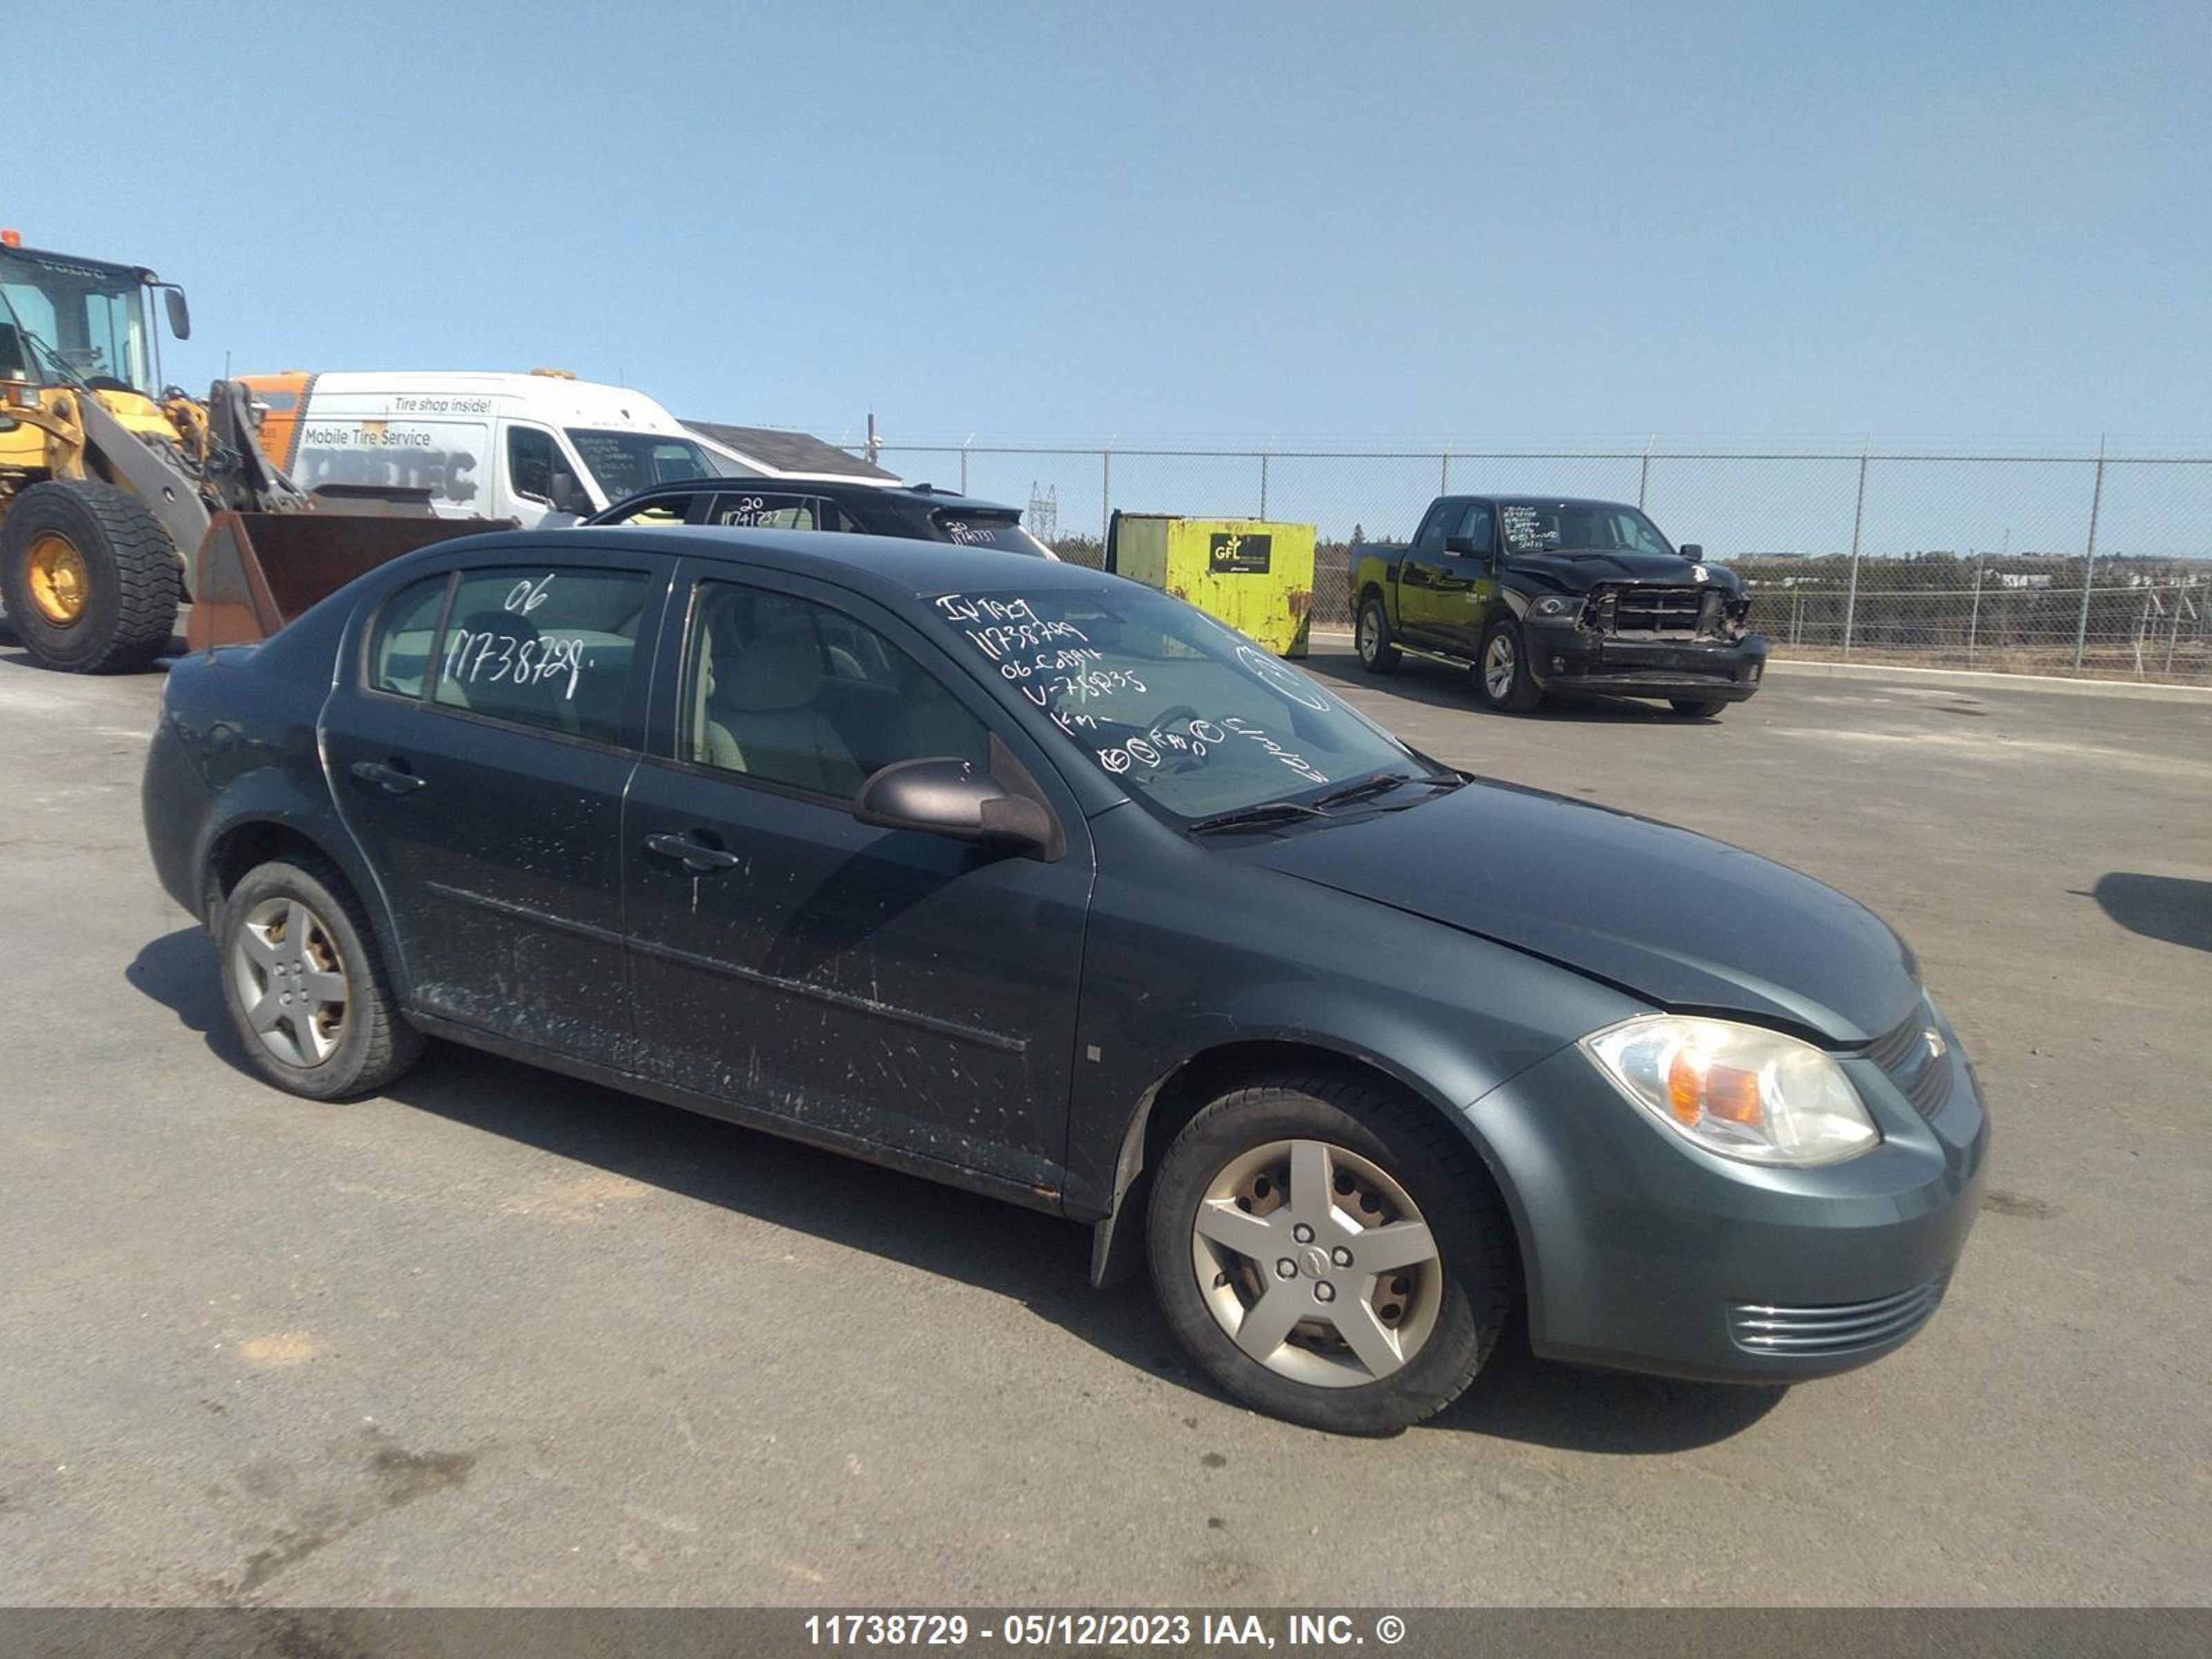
(859, 489)
(885, 566)
(1553, 501)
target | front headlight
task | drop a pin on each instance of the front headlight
(1557, 604)
(1741, 1090)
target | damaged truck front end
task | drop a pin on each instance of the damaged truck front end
(1688, 644)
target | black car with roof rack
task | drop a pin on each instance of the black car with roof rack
(1541, 593)
(861, 506)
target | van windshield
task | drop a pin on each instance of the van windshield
(623, 463)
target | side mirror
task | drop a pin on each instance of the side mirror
(1691, 551)
(948, 797)
(566, 495)
(180, 314)
(1464, 547)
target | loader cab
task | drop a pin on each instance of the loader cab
(64, 318)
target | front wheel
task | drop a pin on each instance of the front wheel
(1502, 679)
(91, 578)
(1377, 655)
(1704, 709)
(1328, 1253)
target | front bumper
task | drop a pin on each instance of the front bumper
(1567, 658)
(1645, 1254)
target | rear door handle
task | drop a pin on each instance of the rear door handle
(692, 854)
(396, 780)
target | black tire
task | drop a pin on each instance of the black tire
(132, 581)
(1372, 637)
(1704, 709)
(375, 1044)
(1520, 694)
(1436, 1169)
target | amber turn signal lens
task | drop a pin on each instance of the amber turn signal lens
(1732, 1094)
(1686, 1089)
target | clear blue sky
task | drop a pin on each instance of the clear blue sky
(1373, 222)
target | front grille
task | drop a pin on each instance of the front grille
(1657, 610)
(1848, 1328)
(1921, 1070)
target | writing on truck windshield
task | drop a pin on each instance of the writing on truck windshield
(1181, 710)
(623, 463)
(1576, 528)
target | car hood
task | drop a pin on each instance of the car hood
(1675, 918)
(1577, 573)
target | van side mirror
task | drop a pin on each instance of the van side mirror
(1691, 551)
(180, 314)
(942, 796)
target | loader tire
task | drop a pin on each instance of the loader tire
(89, 577)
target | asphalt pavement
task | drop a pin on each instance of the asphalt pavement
(504, 1338)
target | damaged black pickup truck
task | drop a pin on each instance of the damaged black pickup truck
(1541, 595)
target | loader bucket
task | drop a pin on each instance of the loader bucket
(256, 571)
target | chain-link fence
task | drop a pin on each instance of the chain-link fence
(2065, 563)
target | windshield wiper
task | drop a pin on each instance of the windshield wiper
(1382, 783)
(1268, 811)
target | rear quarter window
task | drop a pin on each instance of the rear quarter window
(404, 637)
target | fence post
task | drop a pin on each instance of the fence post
(1443, 474)
(1263, 483)
(2089, 561)
(1643, 479)
(964, 442)
(1858, 520)
(1974, 616)
(1105, 492)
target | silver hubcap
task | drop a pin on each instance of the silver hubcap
(1316, 1263)
(291, 981)
(1498, 666)
(1369, 634)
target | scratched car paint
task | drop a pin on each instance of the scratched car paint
(1010, 874)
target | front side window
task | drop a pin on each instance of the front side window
(548, 648)
(1430, 539)
(532, 461)
(624, 462)
(756, 509)
(784, 691)
(1475, 525)
(406, 636)
(1183, 711)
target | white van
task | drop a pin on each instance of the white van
(543, 448)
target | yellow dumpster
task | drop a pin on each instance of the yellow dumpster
(1253, 573)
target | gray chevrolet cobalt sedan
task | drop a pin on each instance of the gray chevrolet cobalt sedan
(1033, 880)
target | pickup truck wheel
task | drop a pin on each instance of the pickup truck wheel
(1326, 1251)
(89, 577)
(305, 988)
(1704, 709)
(1372, 637)
(1502, 679)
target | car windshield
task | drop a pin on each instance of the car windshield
(623, 463)
(1002, 530)
(1577, 527)
(89, 317)
(1185, 712)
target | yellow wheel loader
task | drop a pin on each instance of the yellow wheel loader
(121, 498)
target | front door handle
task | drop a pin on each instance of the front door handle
(694, 856)
(395, 779)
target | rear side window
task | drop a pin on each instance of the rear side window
(406, 632)
(548, 648)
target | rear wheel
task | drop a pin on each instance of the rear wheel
(305, 987)
(1698, 707)
(1327, 1251)
(89, 577)
(1371, 634)
(1502, 679)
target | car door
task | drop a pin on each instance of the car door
(1421, 619)
(478, 745)
(872, 985)
(1465, 579)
